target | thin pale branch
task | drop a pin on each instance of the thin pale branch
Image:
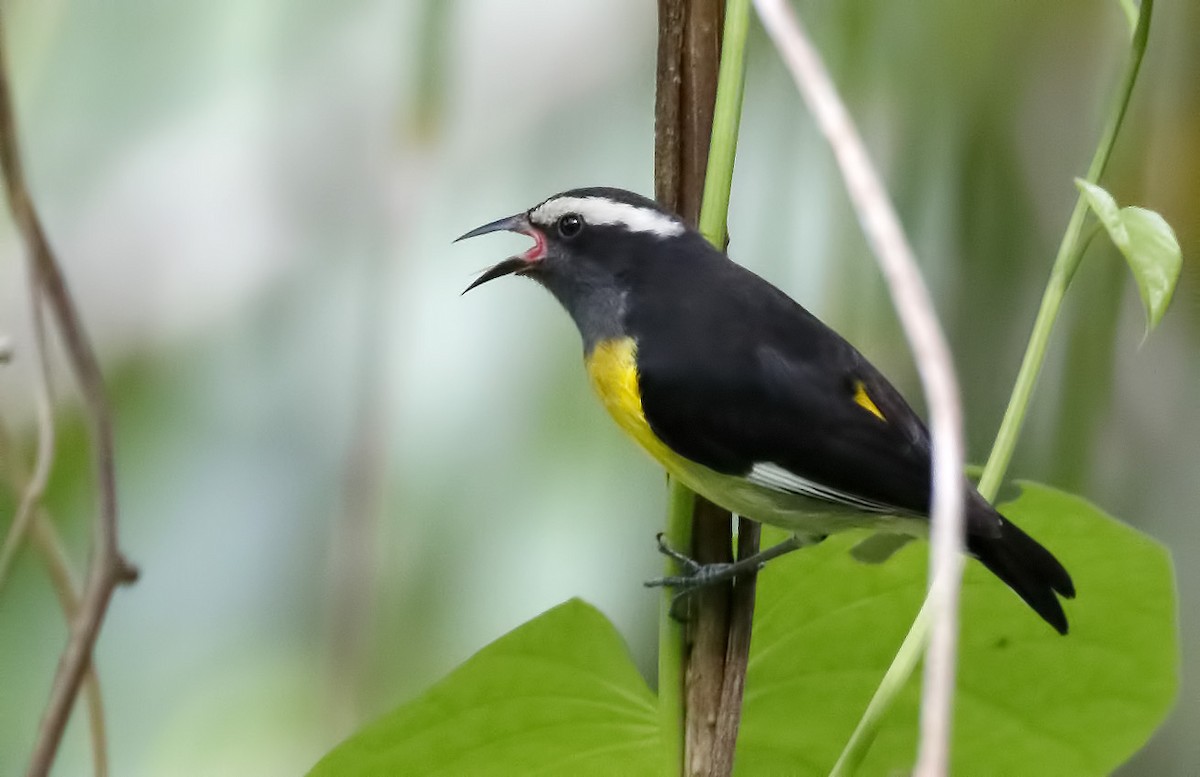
(891, 248)
(108, 568)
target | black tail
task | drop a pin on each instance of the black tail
(1027, 568)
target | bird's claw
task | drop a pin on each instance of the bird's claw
(690, 566)
(694, 576)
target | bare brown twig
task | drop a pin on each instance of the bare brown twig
(66, 588)
(737, 654)
(107, 568)
(689, 47)
(709, 632)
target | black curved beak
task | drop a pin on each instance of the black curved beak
(507, 267)
(517, 223)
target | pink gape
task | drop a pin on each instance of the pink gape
(538, 251)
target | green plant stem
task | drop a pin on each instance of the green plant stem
(897, 676)
(1031, 366)
(1070, 253)
(727, 113)
(1091, 341)
(672, 639)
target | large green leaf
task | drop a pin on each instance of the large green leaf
(1030, 702)
(558, 695)
(1148, 244)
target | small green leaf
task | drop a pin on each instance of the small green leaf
(1105, 207)
(558, 695)
(1029, 701)
(1155, 259)
(1148, 244)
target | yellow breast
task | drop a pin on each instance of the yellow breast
(612, 367)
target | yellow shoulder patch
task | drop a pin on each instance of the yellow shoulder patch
(863, 400)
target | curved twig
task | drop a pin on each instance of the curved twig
(50, 546)
(108, 568)
(931, 352)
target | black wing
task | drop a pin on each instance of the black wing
(734, 374)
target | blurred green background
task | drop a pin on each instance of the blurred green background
(339, 478)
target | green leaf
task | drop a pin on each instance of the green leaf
(1148, 244)
(1155, 259)
(1105, 208)
(1029, 701)
(558, 695)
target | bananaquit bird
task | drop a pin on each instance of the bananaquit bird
(741, 393)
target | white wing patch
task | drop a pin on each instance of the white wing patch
(776, 477)
(601, 210)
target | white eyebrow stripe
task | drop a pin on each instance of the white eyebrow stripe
(601, 210)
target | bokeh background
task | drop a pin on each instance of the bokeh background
(340, 478)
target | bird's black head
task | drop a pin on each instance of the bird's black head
(587, 244)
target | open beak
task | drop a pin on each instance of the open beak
(517, 223)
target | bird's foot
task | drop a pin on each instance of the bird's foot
(694, 575)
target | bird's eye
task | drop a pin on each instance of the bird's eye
(570, 225)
